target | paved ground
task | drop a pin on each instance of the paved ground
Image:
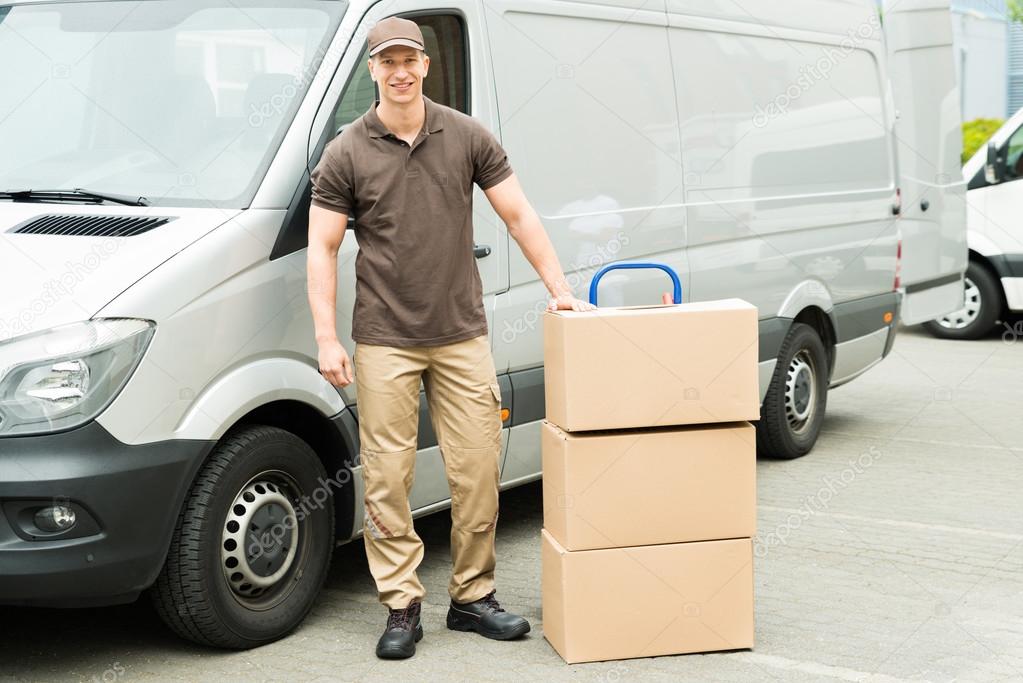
(893, 552)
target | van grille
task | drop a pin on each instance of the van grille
(91, 226)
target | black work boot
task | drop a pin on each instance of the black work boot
(486, 617)
(402, 633)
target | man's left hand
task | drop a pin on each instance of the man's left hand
(569, 303)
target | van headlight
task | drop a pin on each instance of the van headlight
(65, 376)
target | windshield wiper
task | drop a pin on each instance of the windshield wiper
(75, 195)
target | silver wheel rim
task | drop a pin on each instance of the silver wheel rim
(259, 539)
(800, 392)
(966, 315)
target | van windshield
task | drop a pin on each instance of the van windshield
(180, 101)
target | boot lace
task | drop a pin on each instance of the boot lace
(491, 602)
(402, 618)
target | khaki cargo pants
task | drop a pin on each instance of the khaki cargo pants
(465, 404)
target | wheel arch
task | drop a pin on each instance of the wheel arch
(986, 262)
(329, 437)
(810, 303)
(823, 324)
(305, 405)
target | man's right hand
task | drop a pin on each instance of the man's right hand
(335, 366)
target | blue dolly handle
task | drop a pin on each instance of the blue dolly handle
(676, 294)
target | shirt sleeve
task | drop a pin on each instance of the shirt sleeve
(332, 181)
(490, 161)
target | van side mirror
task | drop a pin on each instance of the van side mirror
(994, 169)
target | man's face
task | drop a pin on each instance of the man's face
(399, 72)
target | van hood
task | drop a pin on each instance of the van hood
(54, 279)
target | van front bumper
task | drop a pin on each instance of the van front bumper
(126, 499)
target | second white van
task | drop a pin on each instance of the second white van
(993, 285)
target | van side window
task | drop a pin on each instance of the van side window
(1014, 156)
(446, 82)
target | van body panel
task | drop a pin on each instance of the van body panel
(994, 234)
(993, 226)
(771, 335)
(976, 240)
(924, 298)
(230, 311)
(245, 388)
(1013, 288)
(815, 16)
(804, 295)
(854, 319)
(765, 370)
(787, 178)
(595, 145)
(933, 219)
(67, 278)
(857, 355)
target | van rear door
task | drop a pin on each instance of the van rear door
(929, 142)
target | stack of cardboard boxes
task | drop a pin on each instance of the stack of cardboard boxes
(649, 487)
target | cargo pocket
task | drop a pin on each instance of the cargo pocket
(495, 389)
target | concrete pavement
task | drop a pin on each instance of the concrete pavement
(894, 551)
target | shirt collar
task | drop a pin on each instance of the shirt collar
(432, 124)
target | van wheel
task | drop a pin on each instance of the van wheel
(251, 547)
(982, 306)
(793, 410)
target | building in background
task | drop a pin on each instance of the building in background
(989, 58)
(981, 33)
(1015, 67)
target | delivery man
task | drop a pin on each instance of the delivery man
(405, 169)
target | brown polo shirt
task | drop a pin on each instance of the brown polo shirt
(417, 283)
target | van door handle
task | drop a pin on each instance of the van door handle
(480, 250)
(924, 205)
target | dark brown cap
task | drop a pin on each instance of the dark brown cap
(394, 31)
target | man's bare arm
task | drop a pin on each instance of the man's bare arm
(326, 232)
(510, 203)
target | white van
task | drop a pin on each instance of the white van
(163, 425)
(994, 279)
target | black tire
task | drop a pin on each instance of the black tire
(271, 469)
(794, 393)
(983, 305)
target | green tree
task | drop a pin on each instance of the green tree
(1015, 8)
(976, 134)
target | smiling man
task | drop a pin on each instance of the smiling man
(405, 169)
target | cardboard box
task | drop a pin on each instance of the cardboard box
(647, 600)
(647, 366)
(607, 489)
